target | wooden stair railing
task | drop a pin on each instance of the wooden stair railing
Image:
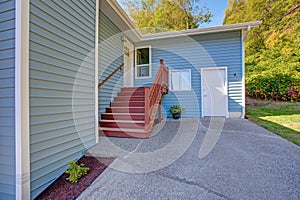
(113, 73)
(133, 111)
(153, 96)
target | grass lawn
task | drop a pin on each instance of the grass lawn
(281, 118)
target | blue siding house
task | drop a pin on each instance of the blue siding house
(7, 101)
(54, 55)
(193, 54)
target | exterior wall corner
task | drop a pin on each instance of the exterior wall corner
(22, 100)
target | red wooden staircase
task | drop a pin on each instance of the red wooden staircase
(133, 111)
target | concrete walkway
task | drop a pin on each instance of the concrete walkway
(199, 159)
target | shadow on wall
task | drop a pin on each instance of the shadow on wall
(109, 90)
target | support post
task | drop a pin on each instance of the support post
(160, 111)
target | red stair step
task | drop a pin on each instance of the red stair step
(125, 110)
(123, 116)
(128, 104)
(131, 93)
(122, 124)
(129, 98)
(122, 132)
(133, 89)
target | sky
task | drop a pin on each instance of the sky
(217, 8)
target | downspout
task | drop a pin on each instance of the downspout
(22, 130)
(246, 34)
(243, 72)
(96, 71)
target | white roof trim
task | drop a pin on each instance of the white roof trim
(197, 31)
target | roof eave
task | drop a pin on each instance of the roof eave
(198, 31)
(132, 30)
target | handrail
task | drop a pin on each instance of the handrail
(113, 73)
(160, 82)
(153, 95)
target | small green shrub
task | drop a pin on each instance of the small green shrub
(76, 171)
(176, 109)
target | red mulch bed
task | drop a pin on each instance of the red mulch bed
(64, 190)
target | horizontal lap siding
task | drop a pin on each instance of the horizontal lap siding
(196, 52)
(62, 41)
(7, 100)
(110, 58)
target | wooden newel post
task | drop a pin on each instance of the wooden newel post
(159, 112)
(161, 61)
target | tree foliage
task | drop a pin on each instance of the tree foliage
(152, 16)
(272, 49)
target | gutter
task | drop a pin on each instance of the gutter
(198, 31)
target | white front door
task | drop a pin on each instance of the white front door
(214, 92)
(128, 62)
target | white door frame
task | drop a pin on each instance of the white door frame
(226, 89)
(128, 74)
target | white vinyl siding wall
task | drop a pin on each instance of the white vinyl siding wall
(7, 102)
(62, 86)
(194, 53)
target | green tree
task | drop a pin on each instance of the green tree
(153, 16)
(272, 49)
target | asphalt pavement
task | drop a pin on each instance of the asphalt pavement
(210, 158)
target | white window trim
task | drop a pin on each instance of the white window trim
(226, 86)
(150, 62)
(179, 70)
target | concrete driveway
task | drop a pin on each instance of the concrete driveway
(199, 159)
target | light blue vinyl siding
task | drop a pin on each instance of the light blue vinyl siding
(62, 87)
(7, 100)
(110, 58)
(196, 52)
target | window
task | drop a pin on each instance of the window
(180, 80)
(143, 62)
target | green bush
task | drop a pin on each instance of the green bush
(273, 76)
(76, 171)
(282, 87)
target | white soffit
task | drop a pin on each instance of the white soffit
(117, 15)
